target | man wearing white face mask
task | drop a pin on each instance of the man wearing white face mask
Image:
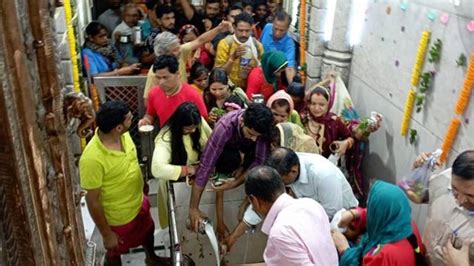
(240, 52)
(298, 229)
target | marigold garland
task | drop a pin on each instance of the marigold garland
(420, 58)
(415, 79)
(72, 45)
(407, 111)
(465, 93)
(302, 28)
(449, 138)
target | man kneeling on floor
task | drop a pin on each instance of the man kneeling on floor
(111, 175)
(298, 229)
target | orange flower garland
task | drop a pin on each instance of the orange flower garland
(461, 105)
(410, 102)
(466, 89)
(449, 138)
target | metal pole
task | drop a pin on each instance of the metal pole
(175, 248)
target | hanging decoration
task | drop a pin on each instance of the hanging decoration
(449, 138)
(404, 5)
(470, 26)
(461, 105)
(302, 28)
(407, 111)
(465, 94)
(420, 58)
(444, 18)
(434, 56)
(72, 45)
(461, 61)
(432, 15)
(415, 79)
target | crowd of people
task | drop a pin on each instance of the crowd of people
(224, 92)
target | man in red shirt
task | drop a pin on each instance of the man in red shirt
(170, 93)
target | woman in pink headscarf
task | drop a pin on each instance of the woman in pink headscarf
(282, 107)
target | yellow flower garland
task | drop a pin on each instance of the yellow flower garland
(420, 58)
(72, 45)
(73, 51)
(410, 102)
(415, 79)
(461, 105)
(302, 28)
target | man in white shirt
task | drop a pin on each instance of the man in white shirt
(305, 175)
(310, 175)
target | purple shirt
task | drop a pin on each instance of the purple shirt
(298, 233)
(227, 132)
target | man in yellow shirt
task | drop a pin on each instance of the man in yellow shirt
(240, 52)
(110, 173)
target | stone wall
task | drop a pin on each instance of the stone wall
(380, 79)
(378, 74)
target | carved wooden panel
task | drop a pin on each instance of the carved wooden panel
(15, 231)
(39, 213)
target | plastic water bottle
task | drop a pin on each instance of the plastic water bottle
(245, 62)
(137, 35)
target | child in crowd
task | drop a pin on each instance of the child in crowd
(282, 108)
(198, 77)
(297, 91)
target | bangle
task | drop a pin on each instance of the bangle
(116, 72)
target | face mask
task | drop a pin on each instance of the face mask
(251, 217)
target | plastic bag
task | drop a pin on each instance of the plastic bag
(336, 220)
(416, 183)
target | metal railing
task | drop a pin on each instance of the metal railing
(175, 247)
(128, 89)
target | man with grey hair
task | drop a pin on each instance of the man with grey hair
(168, 43)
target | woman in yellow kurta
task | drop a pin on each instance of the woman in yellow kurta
(177, 150)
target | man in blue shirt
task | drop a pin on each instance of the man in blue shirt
(275, 37)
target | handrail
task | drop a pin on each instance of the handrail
(175, 248)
